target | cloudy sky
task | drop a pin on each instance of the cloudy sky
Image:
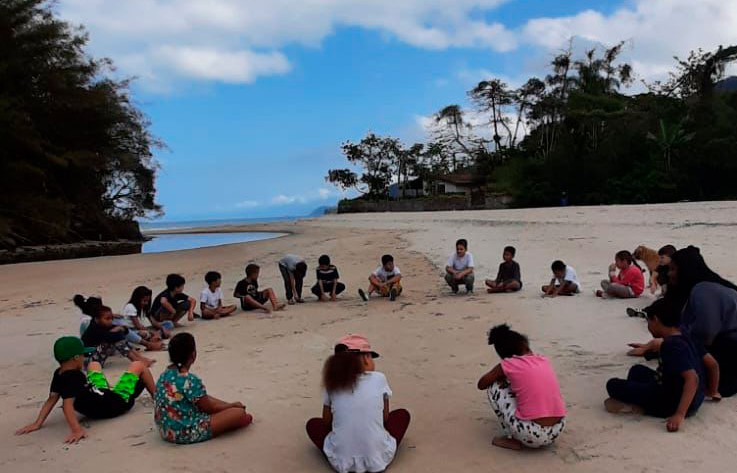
(254, 97)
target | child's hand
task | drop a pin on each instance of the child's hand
(612, 267)
(333, 298)
(674, 422)
(28, 429)
(238, 405)
(76, 436)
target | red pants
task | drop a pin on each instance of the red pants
(396, 425)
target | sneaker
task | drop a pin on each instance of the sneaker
(363, 295)
(636, 313)
(393, 295)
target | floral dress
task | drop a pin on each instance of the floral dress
(176, 414)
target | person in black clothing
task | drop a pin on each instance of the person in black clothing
(509, 277)
(327, 280)
(172, 303)
(251, 298)
(90, 394)
(105, 339)
(686, 374)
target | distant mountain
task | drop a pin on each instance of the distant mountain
(320, 211)
(727, 85)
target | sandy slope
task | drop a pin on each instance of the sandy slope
(432, 344)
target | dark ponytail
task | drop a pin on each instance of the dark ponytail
(341, 370)
(627, 256)
(507, 342)
(90, 306)
(181, 349)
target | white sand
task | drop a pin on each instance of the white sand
(432, 344)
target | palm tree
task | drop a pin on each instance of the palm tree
(668, 139)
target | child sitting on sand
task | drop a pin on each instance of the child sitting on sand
(172, 303)
(459, 269)
(184, 412)
(251, 298)
(385, 280)
(677, 389)
(509, 277)
(138, 307)
(107, 338)
(211, 298)
(564, 282)
(91, 394)
(327, 280)
(626, 280)
(524, 393)
(356, 432)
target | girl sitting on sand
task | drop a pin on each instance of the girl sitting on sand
(184, 412)
(627, 283)
(357, 432)
(138, 307)
(524, 393)
(107, 339)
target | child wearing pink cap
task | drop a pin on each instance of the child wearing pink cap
(524, 393)
(357, 432)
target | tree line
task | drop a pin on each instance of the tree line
(76, 151)
(575, 132)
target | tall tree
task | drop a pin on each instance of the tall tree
(76, 152)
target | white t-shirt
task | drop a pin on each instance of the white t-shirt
(385, 275)
(359, 442)
(571, 277)
(129, 311)
(211, 298)
(460, 264)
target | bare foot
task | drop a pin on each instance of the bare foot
(507, 443)
(155, 346)
(614, 406)
(280, 306)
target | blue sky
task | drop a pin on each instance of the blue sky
(253, 99)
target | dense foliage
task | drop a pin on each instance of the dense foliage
(76, 153)
(576, 132)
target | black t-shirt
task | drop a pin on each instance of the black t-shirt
(97, 335)
(88, 400)
(327, 275)
(679, 354)
(246, 288)
(509, 271)
(173, 300)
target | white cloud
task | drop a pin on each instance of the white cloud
(247, 204)
(321, 193)
(239, 41)
(656, 30)
(324, 193)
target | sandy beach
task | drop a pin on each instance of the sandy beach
(432, 344)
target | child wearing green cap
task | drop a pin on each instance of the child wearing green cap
(89, 394)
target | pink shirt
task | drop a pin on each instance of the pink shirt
(535, 386)
(631, 277)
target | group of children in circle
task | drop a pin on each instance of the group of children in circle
(357, 430)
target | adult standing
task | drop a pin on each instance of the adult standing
(293, 270)
(709, 313)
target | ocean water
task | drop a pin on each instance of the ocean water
(189, 241)
(148, 227)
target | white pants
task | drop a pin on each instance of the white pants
(531, 434)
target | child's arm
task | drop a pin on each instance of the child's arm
(386, 409)
(712, 377)
(77, 432)
(375, 280)
(395, 279)
(137, 323)
(327, 416)
(496, 374)
(166, 305)
(334, 288)
(690, 385)
(45, 411)
(322, 288)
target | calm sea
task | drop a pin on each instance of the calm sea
(189, 241)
